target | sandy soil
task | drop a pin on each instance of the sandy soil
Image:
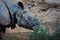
(17, 30)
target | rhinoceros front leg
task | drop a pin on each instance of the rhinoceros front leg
(2, 33)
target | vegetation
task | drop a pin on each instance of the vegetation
(41, 34)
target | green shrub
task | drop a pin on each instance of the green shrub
(41, 34)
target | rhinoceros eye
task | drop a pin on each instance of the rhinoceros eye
(24, 12)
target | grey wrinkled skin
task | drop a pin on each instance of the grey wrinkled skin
(4, 15)
(25, 20)
(22, 16)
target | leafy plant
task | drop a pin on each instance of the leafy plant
(41, 34)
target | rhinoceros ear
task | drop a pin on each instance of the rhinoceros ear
(21, 5)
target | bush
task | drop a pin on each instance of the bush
(41, 34)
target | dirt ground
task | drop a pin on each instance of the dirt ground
(17, 30)
(17, 36)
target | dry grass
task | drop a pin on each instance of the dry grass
(17, 36)
(18, 33)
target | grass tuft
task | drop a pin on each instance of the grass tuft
(41, 34)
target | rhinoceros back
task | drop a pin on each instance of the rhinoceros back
(4, 14)
(13, 7)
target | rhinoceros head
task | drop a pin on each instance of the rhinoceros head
(24, 19)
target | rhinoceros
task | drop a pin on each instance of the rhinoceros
(12, 13)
